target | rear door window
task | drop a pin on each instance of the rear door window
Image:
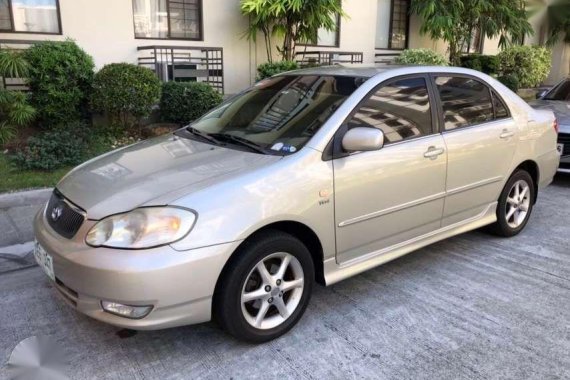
(465, 101)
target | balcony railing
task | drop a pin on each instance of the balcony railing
(18, 84)
(185, 64)
(323, 58)
(386, 58)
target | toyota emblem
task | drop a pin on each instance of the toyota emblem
(56, 212)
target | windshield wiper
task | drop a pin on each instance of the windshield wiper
(202, 135)
(237, 140)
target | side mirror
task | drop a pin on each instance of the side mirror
(362, 139)
(540, 95)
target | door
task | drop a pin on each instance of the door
(394, 194)
(480, 136)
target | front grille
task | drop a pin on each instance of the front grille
(564, 138)
(63, 217)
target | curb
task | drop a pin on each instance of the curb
(17, 211)
(24, 198)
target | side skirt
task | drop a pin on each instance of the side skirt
(335, 272)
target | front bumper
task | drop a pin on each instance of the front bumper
(179, 285)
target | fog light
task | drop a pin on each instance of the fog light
(127, 311)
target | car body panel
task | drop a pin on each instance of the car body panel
(365, 209)
(388, 196)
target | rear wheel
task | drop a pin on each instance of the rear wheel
(266, 288)
(515, 205)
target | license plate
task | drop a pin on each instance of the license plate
(560, 148)
(44, 260)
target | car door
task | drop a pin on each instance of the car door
(480, 136)
(386, 197)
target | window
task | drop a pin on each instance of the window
(501, 111)
(392, 24)
(327, 37)
(560, 92)
(473, 44)
(164, 19)
(400, 109)
(465, 101)
(30, 16)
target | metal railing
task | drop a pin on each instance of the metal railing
(324, 58)
(185, 64)
(16, 84)
(386, 58)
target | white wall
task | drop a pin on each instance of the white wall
(104, 29)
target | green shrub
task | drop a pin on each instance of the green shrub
(472, 61)
(13, 64)
(511, 81)
(421, 57)
(530, 64)
(125, 92)
(60, 75)
(489, 64)
(14, 112)
(183, 102)
(54, 149)
(266, 70)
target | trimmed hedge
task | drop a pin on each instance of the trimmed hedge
(184, 102)
(421, 57)
(50, 150)
(489, 64)
(125, 92)
(266, 70)
(511, 81)
(60, 75)
(529, 64)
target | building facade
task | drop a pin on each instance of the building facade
(204, 39)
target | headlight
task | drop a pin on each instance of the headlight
(142, 228)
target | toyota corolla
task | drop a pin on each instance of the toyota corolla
(310, 176)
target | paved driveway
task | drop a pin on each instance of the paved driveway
(474, 306)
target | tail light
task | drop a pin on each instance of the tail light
(555, 125)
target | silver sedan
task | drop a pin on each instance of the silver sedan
(312, 175)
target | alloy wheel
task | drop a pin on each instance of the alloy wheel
(272, 290)
(518, 204)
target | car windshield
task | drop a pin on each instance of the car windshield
(560, 92)
(277, 115)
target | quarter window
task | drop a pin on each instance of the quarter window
(400, 109)
(165, 19)
(465, 101)
(30, 16)
(501, 111)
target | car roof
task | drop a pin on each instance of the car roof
(369, 70)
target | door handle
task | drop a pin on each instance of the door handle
(506, 134)
(433, 152)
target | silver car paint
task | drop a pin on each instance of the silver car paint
(396, 204)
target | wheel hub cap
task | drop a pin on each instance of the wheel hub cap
(518, 204)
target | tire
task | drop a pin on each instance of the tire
(284, 306)
(516, 222)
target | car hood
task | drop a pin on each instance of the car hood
(147, 172)
(560, 108)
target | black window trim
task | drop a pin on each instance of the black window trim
(201, 15)
(391, 26)
(439, 104)
(13, 31)
(334, 149)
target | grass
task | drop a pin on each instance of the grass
(15, 179)
(12, 179)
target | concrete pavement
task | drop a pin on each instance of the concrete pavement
(472, 307)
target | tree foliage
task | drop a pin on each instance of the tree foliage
(293, 20)
(455, 21)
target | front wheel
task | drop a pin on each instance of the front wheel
(515, 205)
(266, 288)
